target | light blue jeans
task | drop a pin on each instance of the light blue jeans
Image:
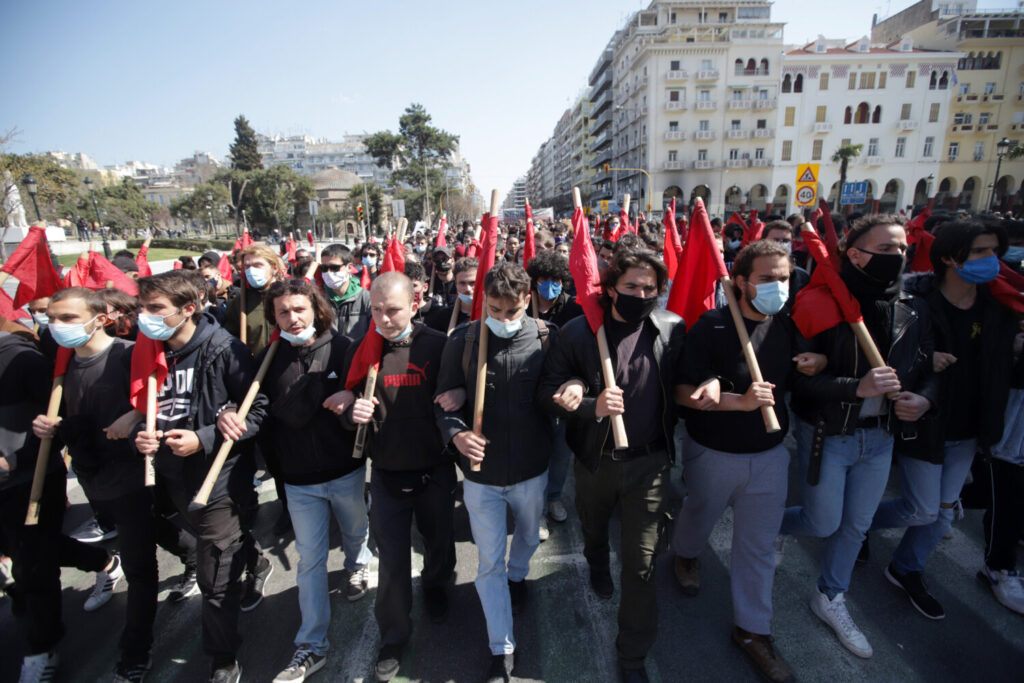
(487, 519)
(311, 508)
(925, 486)
(854, 471)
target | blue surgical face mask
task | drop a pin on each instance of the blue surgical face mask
(257, 277)
(466, 298)
(1013, 255)
(549, 289)
(979, 271)
(405, 333)
(734, 244)
(505, 329)
(72, 335)
(154, 327)
(41, 319)
(300, 338)
(420, 248)
(369, 261)
(771, 297)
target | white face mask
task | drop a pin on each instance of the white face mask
(300, 338)
(506, 329)
(337, 280)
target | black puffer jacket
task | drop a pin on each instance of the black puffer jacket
(520, 434)
(575, 356)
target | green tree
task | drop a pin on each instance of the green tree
(193, 205)
(842, 157)
(277, 196)
(375, 211)
(245, 155)
(56, 185)
(417, 154)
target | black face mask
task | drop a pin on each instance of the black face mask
(884, 269)
(633, 309)
(444, 266)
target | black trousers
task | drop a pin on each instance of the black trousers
(132, 514)
(223, 544)
(179, 541)
(37, 554)
(391, 519)
(999, 486)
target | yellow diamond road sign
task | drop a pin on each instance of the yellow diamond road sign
(604, 205)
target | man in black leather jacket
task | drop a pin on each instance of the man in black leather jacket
(645, 345)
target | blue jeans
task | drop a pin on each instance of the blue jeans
(854, 471)
(558, 465)
(311, 508)
(486, 506)
(925, 486)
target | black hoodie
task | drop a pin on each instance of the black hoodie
(25, 377)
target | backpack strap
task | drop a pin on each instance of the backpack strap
(544, 334)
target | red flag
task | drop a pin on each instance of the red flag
(364, 279)
(309, 237)
(1007, 288)
(178, 265)
(60, 364)
(366, 356)
(917, 235)
(599, 228)
(585, 273)
(246, 239)
(31, 265)
(224, 266)
(237, 247)
(673, 248)
(624, 225)
(754, 231)
(147, 357)
(831, 236)
(290, 249)
(95, 271)
(142, 261)
(529, 245)
(825, 301)
(9, 311)
(394, 249)
(473, 249)
(442, 240)
(489, 232)
(701, 265)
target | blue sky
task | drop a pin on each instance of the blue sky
(154, 82)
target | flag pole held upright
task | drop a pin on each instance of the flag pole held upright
(242, 332)
(481, 359)
(618, 424)
(771, 420)
(203, 495)
(151, 390)
(43, 458)
(371, 386)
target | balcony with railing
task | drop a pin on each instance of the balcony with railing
(737, 163)
(675, 135)
(703, 164)
(767, 103)
(874, 160)
(763, 133)
(673, 165)
(675, 105)
(907, 124)
(640, 84)
(737, 134)
(707, 105)
(734, 105)
(707, 75)
(761, 163)
(676, 75)
(821, 127)
(705, 135)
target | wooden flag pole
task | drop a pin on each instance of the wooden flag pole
(43, 458)
(618, 424)
(481, 359)
(203, 495)
(371, 386)
(3, 277)
(456, 305)
(771, 420)
(151, 390)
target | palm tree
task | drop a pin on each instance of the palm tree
(842, 157)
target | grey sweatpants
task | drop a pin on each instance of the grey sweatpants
(754, 484)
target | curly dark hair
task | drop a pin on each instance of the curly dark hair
(549, 265)
(323, 314)
(631, 258)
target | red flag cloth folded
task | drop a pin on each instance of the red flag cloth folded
(624, 225)
(585, 273)
(473, 250)
(1007, 288)
(693, 290)
(246, 239)
(529, 245)
(366, 356)
(831, 237)
(673, 248)
(442, 240)
(364, 279)
(31, 265)
(738, 219)
(147, 357)
(60, 363)
(95, 271)
(309, 237)
(237, 247)
(917, 235)
(10, 311)
(177, 265)
(397, 255)
(290, 249)
(753, 231)
(387, 263)
(142, 261)
(224, 266)
(825, 301)
(489, 233)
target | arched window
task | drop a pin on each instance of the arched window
(961, 64)
(876, 117)
(751, 65)
(739, 67)
(798, 84)
(933, 81)
(787, 83)
(863, 114)
(944, 81)
(764, 67)
(848, 116)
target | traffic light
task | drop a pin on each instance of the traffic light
(359, 211)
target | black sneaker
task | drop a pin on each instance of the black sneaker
(125, 672)
(601, 582)
(436, 599)
(517, 592)
(633, 675)
(500, 669)
(254, 584)
(186, 588)
(388, 661)
(226, 674)
(912, 583)
(304, 664)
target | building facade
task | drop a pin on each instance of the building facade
(307, 155)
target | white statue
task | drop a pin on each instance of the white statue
(13, 207)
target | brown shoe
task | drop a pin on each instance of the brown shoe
(761, 651)
(687, 573)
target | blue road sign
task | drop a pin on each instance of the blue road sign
(854, 193)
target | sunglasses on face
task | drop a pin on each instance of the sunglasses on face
(332, 268)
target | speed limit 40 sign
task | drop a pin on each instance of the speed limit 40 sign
(805, 195)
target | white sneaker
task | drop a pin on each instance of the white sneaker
(38, 668)
(834, 613)
(357, 583)
(106, 582)
(543, 532)
(1007, 586)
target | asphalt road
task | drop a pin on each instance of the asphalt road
(566, 633)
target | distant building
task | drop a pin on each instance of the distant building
(307, 155)
(78, 161)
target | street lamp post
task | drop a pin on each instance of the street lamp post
(1002, 147)
(209, 212)
(96, 207)
(33, 188)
